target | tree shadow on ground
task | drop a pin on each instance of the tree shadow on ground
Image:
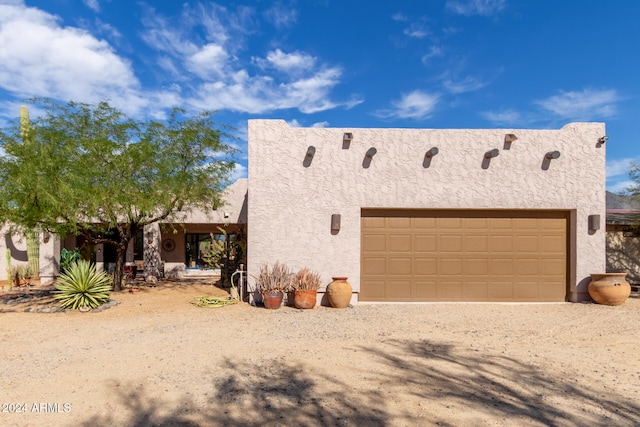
(281, 394)
(497, 387)
(409, 383)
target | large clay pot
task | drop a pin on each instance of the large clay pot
(609, 288)
(339, 292)
(304, 298)
(272, 300)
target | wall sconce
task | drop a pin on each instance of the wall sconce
(370, 153)
(347, 137)
(594, 222)
(308, 157)
(552, 155)
(311, 151)
(492, 153)
(603, 139)
(432, 152)
(227, 214)
(510, 137)
(335, 223)
(46, 236)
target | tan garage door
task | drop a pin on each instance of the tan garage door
(416, 255)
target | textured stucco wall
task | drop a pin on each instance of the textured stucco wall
(291, 201)
(49, 259)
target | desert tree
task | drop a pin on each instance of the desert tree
(89, 169)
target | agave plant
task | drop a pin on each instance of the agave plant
(82, 286)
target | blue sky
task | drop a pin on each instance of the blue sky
(338, 63)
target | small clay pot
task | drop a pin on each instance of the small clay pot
(305, 299)
(272, 300)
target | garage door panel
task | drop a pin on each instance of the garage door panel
(450, 266)
(450, 290)
(400, 243)
(375, 242)
(374, 222)
(400, 266)
(527, 267)
(399, 223)
(552, 266)
(425, 223)
(450, 243)
(527, 243)
(502, 223)
(425, 266)
(425, 290)
(476, 243)
(477, 224)
(501, 243)
(464, 256)
(526, 290)
(375, 290)
(476, 266)
(502, 266)
(374, 266)
(553, 243)
(500, 290)
(400, 290)
(526, 223)
(475, 291)
(425, 243)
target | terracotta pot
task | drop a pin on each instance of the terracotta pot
(609, 288)
(339, 292)
(304, 298)
(272, 300)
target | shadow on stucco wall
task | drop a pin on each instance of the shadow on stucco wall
(623, 255)
(17, 254)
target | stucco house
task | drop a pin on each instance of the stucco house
(409, 215)
(170, 249)
(431, 214)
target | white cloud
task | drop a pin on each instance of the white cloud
(210, 58)
(41, 58)
(468, 84)
(505, 117)
(414, 105)
(292, 63)
(224, 81)
(585, 105)
(281, 16)
(434, 51)
(92, 4)
(416, 30)
(475, 7)
(620, 167)
(619, 187)
(320, 125)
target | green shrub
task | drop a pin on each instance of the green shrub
(82, 286)
(67, 258)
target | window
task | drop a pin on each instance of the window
(194, 245)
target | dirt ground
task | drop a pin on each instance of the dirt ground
(156, 359)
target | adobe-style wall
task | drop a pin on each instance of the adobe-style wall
(292, 196)
(49, 256)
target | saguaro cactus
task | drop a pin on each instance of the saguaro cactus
(33, 252)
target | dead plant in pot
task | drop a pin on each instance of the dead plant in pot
(273, 282)
(305, 284)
